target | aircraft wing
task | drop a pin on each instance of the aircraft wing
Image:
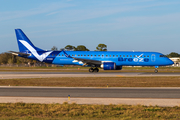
(85, 61)
(88, 61)
(19, 53)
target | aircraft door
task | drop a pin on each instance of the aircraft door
(153, 57)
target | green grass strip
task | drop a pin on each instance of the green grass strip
(75, 111)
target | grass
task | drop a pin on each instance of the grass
(96, 112)
(95, 82)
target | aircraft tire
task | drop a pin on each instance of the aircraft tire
(91, 70)
(156, 71)
(96, 70)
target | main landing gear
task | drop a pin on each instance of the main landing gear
(91, 70)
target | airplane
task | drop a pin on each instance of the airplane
(108, 60)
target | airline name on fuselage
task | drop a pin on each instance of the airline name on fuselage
(133, 59)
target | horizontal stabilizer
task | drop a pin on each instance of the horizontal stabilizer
(19, 53)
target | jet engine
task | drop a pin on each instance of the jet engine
(110, 66)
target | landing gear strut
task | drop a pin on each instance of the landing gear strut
(91, 70)
(156, 69)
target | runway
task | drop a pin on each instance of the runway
(11, 75)
(131, 96)
(86, 92)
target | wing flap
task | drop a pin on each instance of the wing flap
(88, 61)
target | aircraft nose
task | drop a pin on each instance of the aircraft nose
(170, 62)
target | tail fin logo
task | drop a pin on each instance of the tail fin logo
(34, 52)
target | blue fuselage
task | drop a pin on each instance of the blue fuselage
(120, 58)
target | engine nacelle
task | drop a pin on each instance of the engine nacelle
(108, 66)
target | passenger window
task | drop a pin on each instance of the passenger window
(130, 55)
(120, 55)
(102, 55)
(91, 55)
(84, 55)
(113, 55)
(95, 55)
(116, 55)
(62, 55)
(78, 55)
(75, 55)
(144, 56)
(148, 56)
(52, 55)
(106, 55)
(81, 55)
(109, 55)
(88, 55)
(72, 55)
(99, 55)
(123, 55)
(127, 55)
(134, 56)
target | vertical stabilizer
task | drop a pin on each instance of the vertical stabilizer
(24, 43)
(26, 47)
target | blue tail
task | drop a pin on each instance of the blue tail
(24, 43)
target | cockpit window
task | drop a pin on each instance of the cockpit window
(162, 56)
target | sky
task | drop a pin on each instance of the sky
(123, 25)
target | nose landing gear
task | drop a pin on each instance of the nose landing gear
(156, 69)
(91, 70)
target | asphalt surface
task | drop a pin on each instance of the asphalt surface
(91, 92)
(12, 75)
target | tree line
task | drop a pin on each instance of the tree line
(8, 58)
(173, 54)
(100, 47)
